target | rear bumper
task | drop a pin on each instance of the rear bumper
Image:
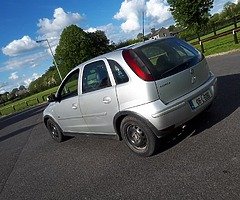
(163, 118)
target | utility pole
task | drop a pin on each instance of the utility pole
(143, 24)
(46, 40)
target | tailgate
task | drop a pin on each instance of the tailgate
(183, 82)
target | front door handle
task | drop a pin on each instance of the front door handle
(107, 100)
(74, 106)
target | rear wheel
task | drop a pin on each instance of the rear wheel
(138, 136)
(54, 131)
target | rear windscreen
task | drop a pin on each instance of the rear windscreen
(168, 56)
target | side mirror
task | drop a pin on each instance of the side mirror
(51, 98)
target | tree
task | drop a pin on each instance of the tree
(22, 87)
(76, 46)
(171, 28)
(4, 97)
(14, 91)
(230, 10)
(99, 43)
(215, 18)
(73, 48)
(140, 36)
(127, 43)
(191, 14)
(48, 80)
(174, 29)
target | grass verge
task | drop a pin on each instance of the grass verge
(216, 46)
(27, 102)
(220, 45)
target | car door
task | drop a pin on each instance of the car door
(98, 100)
(67, 109)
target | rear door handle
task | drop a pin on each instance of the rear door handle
(74, 106)
(107, 100)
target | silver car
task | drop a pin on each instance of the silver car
(139, 94)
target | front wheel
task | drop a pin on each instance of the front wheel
(54, 131)
(138, 136)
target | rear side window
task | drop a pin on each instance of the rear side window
(119, 74)
(168, 56)
(95, 77)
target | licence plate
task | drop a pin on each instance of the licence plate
(201, 99)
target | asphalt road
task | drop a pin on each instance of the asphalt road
(202, 162)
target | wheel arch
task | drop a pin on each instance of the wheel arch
(121, 115)
(47, 117)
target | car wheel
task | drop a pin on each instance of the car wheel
(54, 131)
(138, 136)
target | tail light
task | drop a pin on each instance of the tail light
(137, 65)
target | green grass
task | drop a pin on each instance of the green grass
(215, 46)
(220, 45)
(27, 102)
(218, 32)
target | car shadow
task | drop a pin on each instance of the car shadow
(17, 132)
(226, 102)
(14, 118)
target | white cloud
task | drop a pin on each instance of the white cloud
(113, 33)
(61, 19)
(2, 91)
(130, 12)
(24, 61)
(156, 11)
(13, 76)
(52, 28)
(32, 78)
(91, 30)
(3, 84)
(16, 47)
(48, 28)
(15, 83)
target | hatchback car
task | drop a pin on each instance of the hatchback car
(138, 93)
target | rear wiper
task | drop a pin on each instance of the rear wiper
(185, 64)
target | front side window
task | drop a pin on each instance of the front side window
(69, 88)
(95, 77)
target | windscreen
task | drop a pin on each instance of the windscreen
(168, 56)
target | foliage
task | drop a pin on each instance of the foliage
(22, 87)
(174, 29)
(220, 45)
(127, 43)
(48, 80)
(230, 10)
(217, 21)
(4, 97)
(26, 102)
(73, 49)
(75, 46)
(191, 14)
(99, 43)
(140, 36)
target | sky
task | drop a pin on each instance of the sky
(23, 22)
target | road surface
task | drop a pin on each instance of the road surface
(202, 162)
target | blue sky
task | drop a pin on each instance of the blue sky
(23, 22)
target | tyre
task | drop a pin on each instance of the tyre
(138, 136)
(54, 131)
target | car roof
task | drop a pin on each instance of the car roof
(117, 51)
(139, 44)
